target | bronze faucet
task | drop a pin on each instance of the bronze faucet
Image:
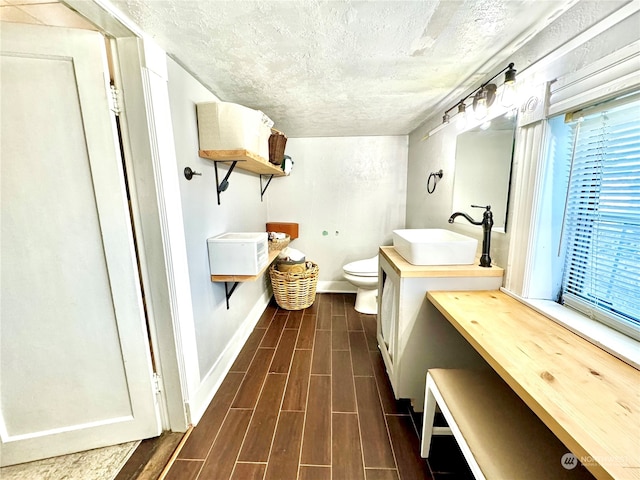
(487, 223)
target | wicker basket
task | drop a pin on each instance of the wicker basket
(279, 244)
(277, 144)
(295, 291)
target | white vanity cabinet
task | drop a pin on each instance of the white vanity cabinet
(412, 334)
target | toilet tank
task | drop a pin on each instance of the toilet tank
(238, 253)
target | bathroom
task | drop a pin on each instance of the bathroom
(347, 193)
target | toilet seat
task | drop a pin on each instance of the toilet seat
(363, 268)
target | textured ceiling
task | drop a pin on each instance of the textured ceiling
(341, 67)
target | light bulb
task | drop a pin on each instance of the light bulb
(480, 107)
(509, 87)
(461, 117)
(508, 97)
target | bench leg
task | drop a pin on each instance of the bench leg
(433, 392)
(428, 419)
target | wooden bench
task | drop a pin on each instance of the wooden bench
(500, 437)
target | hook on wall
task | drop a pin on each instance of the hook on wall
(431, 187)
(188, 173)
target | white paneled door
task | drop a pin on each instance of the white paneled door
(75, 370)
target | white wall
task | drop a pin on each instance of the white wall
(438, 151)
(352, 188)
(218, 333)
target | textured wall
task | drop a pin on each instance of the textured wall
(352, 188)
(240, 210)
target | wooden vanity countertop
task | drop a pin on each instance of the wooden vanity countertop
(405, 269)
(587, 397)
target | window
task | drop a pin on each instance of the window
(597, 157)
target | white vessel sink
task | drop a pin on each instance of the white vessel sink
(434, 246)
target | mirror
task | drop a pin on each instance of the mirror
(483, 169)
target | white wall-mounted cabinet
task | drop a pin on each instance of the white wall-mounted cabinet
(412, 335)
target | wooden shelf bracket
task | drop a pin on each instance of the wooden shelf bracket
(264, 188)
(227, 292)
(244, 160)
(231, 281)
(222, 186)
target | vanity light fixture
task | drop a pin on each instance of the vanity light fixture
(480, 101)
(508, 97)
(461, 116)
(483, 98)
(445, 122)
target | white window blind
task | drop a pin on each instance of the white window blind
(602, 218)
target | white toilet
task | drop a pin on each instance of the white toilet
(364, 275)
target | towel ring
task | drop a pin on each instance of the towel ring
(435, 176)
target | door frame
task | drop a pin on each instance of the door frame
(160, 268)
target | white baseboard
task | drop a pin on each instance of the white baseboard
(336, 286)
(213, 379)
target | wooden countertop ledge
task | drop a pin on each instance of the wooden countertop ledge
(586, 396)
(405, 269)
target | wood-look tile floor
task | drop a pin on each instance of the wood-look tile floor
(308, 399)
